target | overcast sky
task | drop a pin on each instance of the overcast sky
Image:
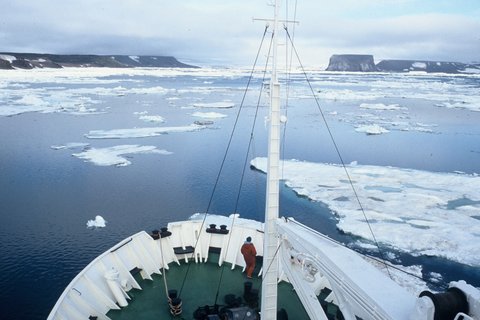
(222, 32)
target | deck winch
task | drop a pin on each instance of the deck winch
(234, 308)
(459, 300)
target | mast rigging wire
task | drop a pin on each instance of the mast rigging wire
(288, 68)
(224, 158)
(338, 153)
(244, 166)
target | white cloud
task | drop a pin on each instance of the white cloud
(224, 31)
(426, 36)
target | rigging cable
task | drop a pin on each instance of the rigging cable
(224, 157)
(245, 165)
(338, 153)
(288, 69)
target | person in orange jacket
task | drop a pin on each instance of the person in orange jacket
(249, 253)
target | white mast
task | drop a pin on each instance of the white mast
(270, 259)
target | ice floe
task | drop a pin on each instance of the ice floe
(364, 88)
(140, 132)
(209, 115)
(218, 105)
(373, 129)
(98, 222)
(152, 118)
(70, 145)
(39, 100)
(381, 106)
(149, 90)
(420, 212)
(112, 156)
(442, 90)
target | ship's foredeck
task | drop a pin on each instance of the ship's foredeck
(200, 289)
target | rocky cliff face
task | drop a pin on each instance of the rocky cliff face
(35, 60)
(365, 63)
(351, 62)
(426, 66)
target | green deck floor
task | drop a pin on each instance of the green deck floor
(200, 289)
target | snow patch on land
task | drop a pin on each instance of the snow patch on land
(419, 65)
(7, 57)
(135, 58)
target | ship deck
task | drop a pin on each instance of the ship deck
(199, 289)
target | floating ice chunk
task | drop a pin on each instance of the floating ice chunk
(40, 100)
(422, 129)
(28, 103)
(31, 100)
(219, 105)
(372, 129)
(112, 156)
(151, 90)
(381, 106)
(347, 94)
(70, 145)
(140, 132)
(203, 122)
(209, 115)
(99, 222)
(456, 105)
(410, 210)
(16, 110)
(152, 118)
(435, 277)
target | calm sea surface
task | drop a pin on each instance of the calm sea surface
(48, 195)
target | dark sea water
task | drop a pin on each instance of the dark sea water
(47, 195)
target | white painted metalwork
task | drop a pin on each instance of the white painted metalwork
(359, 289)
(270, 258)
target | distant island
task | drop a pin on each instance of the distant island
(365, 63)
(338, 62)
(12, 60)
